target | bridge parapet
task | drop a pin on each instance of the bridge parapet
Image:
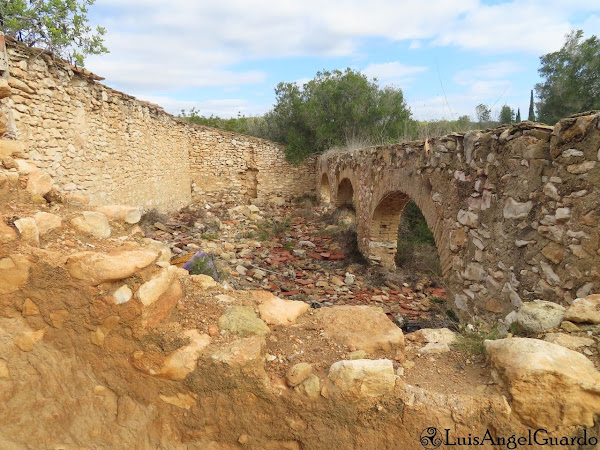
(514, 210)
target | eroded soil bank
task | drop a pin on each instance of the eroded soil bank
(106, 344)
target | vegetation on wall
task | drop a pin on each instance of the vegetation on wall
(252, 126)
(59, 26)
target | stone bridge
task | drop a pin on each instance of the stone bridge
(514, 210)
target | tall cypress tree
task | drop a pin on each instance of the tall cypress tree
(531, 113)
(518, 116)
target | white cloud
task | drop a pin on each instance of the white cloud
(392, 71)
(495, 70)
(158, 48)
(219, 107)
(529, 26)
(180, 43)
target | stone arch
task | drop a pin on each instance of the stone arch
(325, 189)
(385, 220)
(383, 233)
(345, 193)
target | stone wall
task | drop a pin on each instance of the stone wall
(114, 148)
(514, 210)
(244, 167)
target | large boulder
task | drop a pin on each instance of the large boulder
(363, 377)
(93, 223)
(433, 336)
(276, 311)
(242, 321)
(361, 328)
(569, 341)
(179, 364)
(298, 373)
(163, 250)
(7, 233)
(123, 213)
(47, 222)
(39, 183)
(28, 230)
(242, 353)
(96, 268)
(540, 315)
(159, 296)
(584, 310)
(550, 385)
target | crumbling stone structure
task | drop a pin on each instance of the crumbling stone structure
(514, 210)
(113, 148)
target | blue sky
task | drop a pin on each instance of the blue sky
(224, 57)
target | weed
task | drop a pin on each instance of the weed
(310, 199)
(202, 266)
(307, 212)
(288, 246)
(452, 315)
(207, 265)
(280, 227)
(472, 342)
(263, 235)
(438, 300)
(151, 217)
(209, 236)
(302, 298)
(343, 212)
(273, 228)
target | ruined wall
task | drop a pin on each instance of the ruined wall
(244, 167)
(94, 140)
(114, 148)
(514, 210)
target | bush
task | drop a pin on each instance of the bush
(333, 109)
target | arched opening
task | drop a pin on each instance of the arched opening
(325, 189)
(401, 238)
(383, 239)
(345, 193)
(416, 252)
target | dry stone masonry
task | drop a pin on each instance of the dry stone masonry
(98, 142)
(514, 210)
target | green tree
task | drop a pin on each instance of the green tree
(572, 79)
(334, 109)
(518, 116)
(507, 115)
(483, 113)
(531, 116)
(60, 26)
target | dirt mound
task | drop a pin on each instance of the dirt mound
(105, 344)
